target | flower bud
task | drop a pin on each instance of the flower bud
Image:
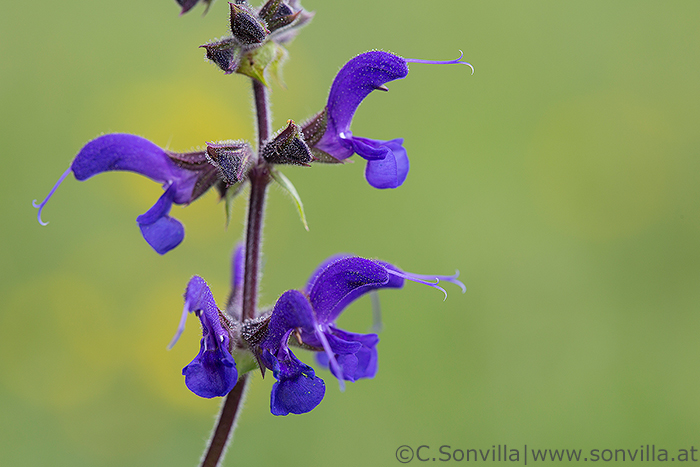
(233, 159)
(247, 29)
(288, 147)
(287, 27)
(225, 53)
(277, 14)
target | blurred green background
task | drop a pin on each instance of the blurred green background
(562, 179)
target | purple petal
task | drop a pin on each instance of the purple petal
(370, 149)
(235, 299)
(359, 77)
(338, 355)
(342, 282)
(348, 364)
(213, 372)
(322, 337)
(337, 145)
(396, 281)
(164, 234)
(338, 345)
(366, 356)
(238, 267)
(291, 311)
(361, 363)
(161, 231)
(132, 153)
(135, 154)
(199, 296)
(322, 267)
(297, 390)
(391, 171)
(158, 210)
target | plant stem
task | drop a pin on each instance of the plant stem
(259, 177)
(223, 431)
(262, 110)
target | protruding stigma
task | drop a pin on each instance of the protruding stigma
(431, 281)
(442, 62)
(41, 205)
(181, 326)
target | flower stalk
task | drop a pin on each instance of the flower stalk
(223, 431)
(259, 178)
(262, 112)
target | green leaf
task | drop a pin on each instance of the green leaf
(287, 185)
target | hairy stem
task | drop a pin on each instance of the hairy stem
(224, 426)
(259, 178)
(262, 109)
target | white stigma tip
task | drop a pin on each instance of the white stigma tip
(469, 65)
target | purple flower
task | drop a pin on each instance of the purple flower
(297, 390)
(185, 177)
(309, 317)
(213, 372)
(387, 162)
